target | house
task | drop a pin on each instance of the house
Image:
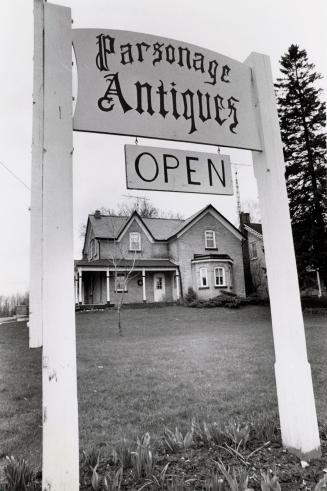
(255, 271)
(158, 259)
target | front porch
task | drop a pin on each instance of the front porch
(143, 282)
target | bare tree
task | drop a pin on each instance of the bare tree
(8, 303)
(142, 205)
(128, 275)
(252, 206)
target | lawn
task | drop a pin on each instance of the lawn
(173, 363)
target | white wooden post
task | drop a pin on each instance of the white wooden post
(318, 282)
(80, 286)
(108, 285)
(178, 287)
(35, 314)
(143, 285)
(60, 470)
(76, 288)
(293, 374)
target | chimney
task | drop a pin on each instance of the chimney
(244, 218)
(97, 214)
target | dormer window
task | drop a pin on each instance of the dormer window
(93, 249)
(134, 241)
(253, 250)
(210, 239)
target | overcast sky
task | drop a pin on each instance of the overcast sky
(233, 28)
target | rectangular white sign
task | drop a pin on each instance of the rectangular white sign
(166, 169)
(143, 85)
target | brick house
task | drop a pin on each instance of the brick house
(161, 258)
(255, 270)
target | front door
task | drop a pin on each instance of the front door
(159, 287)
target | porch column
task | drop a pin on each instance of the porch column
(76, 288)
(318, 282)
(80, 286)
(108, 285)
(143, 284)
(178, 285)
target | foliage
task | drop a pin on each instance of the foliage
(322, 484)
(227, 300)
(8, 303)
(237, 481)
(91, 458)
(302, 121)
(124, 453)
(190, 296)
(109, 481)
(174, 442)
(238, 432)
(269, 482)
(265, 429)
(142, 457)
(156, 483)
(214, 483)
(19, 475)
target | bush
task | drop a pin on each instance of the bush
(191, 296)
(226, 299)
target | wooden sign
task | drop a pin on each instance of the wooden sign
(165, 169)
(142, 85)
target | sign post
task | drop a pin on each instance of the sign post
(296, 402)
(60, 412)
(142, 85)
(35, 300)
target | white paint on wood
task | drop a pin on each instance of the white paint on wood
(35, 299)
(293, 375)
(167, 169)
(318, 283)
(80, 285)
(159, 287)
(178, 286)
(108, 285)
(60, 468)
(173, 105)
(76, 288)
(143, 285)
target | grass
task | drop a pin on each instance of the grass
(172, 363)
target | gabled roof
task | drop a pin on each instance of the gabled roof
(110, 227)
(160, 229)
(255, 228)
(107, 227)
(209, 208)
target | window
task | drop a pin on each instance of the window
(134, 241)
(203, 278)
(253, 250)
(120, 285)
(159, 283)
(220, 277)
(93, 249)
(210, 239)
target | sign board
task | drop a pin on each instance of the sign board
(142, 85)
(165, 169)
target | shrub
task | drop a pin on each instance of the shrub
(190, 296)
(19, 475)
(142, 459)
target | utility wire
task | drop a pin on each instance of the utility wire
(13, 174)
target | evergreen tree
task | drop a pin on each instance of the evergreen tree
(303, 119)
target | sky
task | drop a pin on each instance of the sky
(234, 28)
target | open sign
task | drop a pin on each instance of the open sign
(164, 169)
